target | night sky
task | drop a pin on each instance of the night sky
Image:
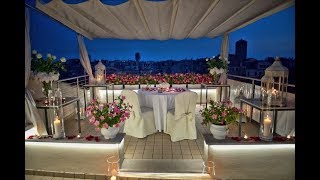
(271, 36)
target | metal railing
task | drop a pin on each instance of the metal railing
(256, 82)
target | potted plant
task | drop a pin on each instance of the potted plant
(217, 66)
(219, 115)
(46, 70)
(109, 116)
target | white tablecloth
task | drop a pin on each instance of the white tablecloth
(160, 102)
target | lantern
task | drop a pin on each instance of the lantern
(266, 127)
(274, 84)
(100, 73)
(58, 121)
(266, 86)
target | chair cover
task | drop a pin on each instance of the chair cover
(181, 120)
(141, 122)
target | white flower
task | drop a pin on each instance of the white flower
(39, 56)
(34, 52)
(54, 57)
(220, 57)
(207, 59)
(63, 59)
(48, 55)
(221, 70)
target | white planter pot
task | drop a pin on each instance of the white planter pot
(110, 133)
(219, 131)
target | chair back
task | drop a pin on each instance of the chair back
(132, 99)
(185, 105)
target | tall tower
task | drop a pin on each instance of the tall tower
(241, 50)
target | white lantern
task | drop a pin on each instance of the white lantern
(100, 73)
(275, 82)
(266, 86)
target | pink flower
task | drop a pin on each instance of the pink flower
(123, 97)
(89, 113)
(102, 117)
(214, 116)
(97, 129)
(224, 114)
(96, 123)
(116, 125)
(122, 118)
(92, 119)
(105, 125)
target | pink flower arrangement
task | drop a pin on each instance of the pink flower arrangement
(177, 78)
(220, 113)
(109, 114)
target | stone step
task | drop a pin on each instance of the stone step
(162, 165)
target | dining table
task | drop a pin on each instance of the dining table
(161, 100)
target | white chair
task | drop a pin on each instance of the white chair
(181, 122)
(141, 122)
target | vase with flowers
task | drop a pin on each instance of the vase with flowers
(219, 115)
(108, 117)
(46, 70)
(216, 67)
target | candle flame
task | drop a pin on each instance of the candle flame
(288, 136)
(245, 136)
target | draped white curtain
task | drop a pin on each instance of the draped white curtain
(84, 58)
(31, 112)
(225, 46)
(224, 54)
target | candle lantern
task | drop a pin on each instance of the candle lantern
(100, 72)
(266, 86)
(58, 120)
(113, 166)
(274, 84)
(266, 127)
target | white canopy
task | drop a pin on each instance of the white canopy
(172, 19)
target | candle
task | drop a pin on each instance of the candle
(245, 136)
(266, 126)
(78, 136)
(288, 137)
(113, 178)
(57, 127)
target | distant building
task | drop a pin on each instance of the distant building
(241, 51)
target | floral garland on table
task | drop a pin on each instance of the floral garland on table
(46, 70)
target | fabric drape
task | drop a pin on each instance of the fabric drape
(31, 112)
(84, 58)
(224, 54)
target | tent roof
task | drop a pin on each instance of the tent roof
(172, 19)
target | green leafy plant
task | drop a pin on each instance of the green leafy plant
(50, 64)
(218, 63)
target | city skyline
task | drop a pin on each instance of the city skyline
(268, 37)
